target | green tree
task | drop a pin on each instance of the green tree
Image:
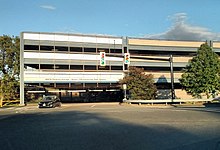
(202, 74)
(139, 84)
(9, 67)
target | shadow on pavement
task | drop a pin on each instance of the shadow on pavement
(76, 130)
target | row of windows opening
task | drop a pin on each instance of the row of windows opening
(161, 69)
(33, 86)
(161, 53)
(68, 86)
(71, 67)
(108, 50)
(70, 49)
(97, 67)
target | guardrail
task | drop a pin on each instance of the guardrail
(10, 102)
(165, 101)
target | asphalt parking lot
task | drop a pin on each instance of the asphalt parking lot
(110, 126)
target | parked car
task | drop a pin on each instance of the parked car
(213, 103)
(50, 101)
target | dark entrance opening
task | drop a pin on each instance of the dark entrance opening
(90, 96)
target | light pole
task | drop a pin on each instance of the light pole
(125, 94)
(172, 78)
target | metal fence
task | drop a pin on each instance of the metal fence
(165, 101)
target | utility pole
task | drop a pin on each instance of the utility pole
(125, 92)
(172, 78)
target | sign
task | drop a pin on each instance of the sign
(73, 77)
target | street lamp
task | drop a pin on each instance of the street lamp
(172, 78)
(125, 94)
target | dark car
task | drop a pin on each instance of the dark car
(213, 103)
(50, 102)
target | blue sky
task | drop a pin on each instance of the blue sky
(163, 19)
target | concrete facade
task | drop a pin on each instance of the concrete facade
(69, 64)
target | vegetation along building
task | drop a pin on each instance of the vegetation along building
(88, 67)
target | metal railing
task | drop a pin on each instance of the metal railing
(165, 101)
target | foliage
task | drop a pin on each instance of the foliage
(139, 84)
(202, 74)
(9, 66)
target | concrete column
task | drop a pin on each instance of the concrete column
(21, 70)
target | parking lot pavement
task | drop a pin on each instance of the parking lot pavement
(206, 109)
(103, 108)
(65, 106)
(100, 126)
(72, 106)
(5, 112)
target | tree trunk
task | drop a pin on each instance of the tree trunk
(207, 95)
(1, 101)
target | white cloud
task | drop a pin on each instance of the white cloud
(49, 7)
(181, 30)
